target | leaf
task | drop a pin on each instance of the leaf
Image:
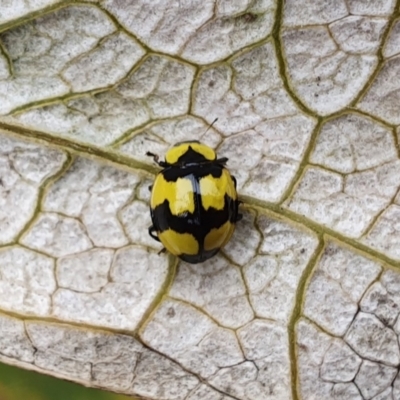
(304, 301)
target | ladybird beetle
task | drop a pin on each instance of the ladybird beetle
(194, 204)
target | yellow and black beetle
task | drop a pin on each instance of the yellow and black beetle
(194, 204)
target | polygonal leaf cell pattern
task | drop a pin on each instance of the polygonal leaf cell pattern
(304, 301)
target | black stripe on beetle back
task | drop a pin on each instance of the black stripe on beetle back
(171, 174)
(198, 223)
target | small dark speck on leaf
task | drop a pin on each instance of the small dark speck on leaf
(211, 84)
(330, 251)
(303, 347)
(302, 251)
(171, 312)
(248, 17)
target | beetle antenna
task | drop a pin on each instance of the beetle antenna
(155, 157)
(209, 126)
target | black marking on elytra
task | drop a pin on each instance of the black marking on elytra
(172, 173)
(199, 223)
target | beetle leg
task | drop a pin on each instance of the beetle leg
(239, 202)
(234, 181)
(151, 233)
(222, 160)
(155, 156)
(162, 164)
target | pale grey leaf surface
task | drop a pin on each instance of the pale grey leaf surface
(304, 301)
